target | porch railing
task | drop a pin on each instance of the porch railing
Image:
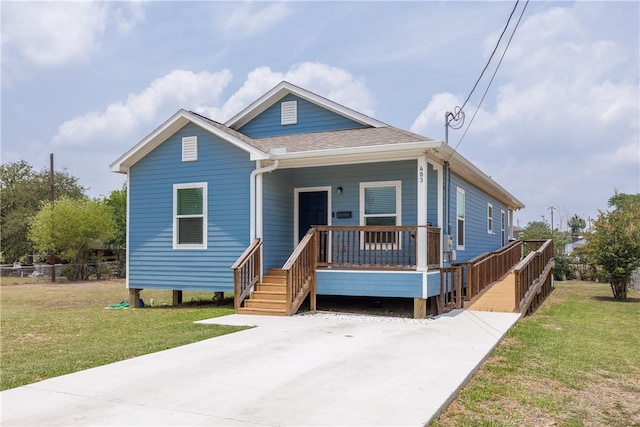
(247, 271)
(490, 267)
(301, 273)
(370, 247)
(534, 277)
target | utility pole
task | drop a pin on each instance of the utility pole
(52, 196)
(551, 208)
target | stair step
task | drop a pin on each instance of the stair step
(276, 272)
(269, 295)
(261, 303)
(275, 279)
(270, 287)
(261, 311)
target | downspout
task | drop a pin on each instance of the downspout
(252, 196)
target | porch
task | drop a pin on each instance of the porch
(403, 253)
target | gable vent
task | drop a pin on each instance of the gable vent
(289, 112)
(189, 148)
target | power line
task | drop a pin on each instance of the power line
(493, 76)
(456, 119)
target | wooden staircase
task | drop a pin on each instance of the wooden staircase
(269, 296)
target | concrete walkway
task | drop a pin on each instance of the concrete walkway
(301, 370)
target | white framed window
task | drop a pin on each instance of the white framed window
(489, 218)
(503, 226)
(190, 216)
(189, 148)
(289, 112)
(460, 215)
(380, 205)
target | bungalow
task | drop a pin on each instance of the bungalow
(301, 192)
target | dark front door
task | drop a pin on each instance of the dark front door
(312, 210)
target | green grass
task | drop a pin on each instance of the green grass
(575, 362)
(54, 329)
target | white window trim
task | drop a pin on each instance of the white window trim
(490, 218)
(397, 215)
(189, 155)
(204, 215)
(464, 220)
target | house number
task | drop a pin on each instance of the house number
(421, 175)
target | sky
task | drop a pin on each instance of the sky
(559, 125)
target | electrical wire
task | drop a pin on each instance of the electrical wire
(492, 77)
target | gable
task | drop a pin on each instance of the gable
(298, 116)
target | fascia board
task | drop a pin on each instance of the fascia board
(285, 88)
(168, 128)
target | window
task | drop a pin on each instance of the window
(380, 205)
(489, 218)
(289, 112)
(189, 148)
(460, 208)
(190, 216)
(503, 227)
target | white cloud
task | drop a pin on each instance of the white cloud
(248, 19)
(565, 115)
(122, 120)
(54, 34)
(330, 82)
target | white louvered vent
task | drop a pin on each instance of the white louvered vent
(289, 112)
(189, 148)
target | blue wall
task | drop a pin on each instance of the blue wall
(278, 232)
(311, 118)
(373, 284)
(153, 263)
(477, 239)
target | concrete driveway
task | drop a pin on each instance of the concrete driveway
(307, 370)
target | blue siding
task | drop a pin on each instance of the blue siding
(153, 263)
(433, 283)
(311, 118)
(477, 239)
(278, 218)
(349, 178)
(373, 284)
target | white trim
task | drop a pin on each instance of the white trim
(439, 171)
(204, 215)
(422, 185)
(285, 88)
(397, 215)
(296, 207)
(460, 190)
(189, 148)
(490, 218)
(504, 239)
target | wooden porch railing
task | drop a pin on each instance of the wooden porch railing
(372, 247)
(490, 267)
(534, 278)
(301, 273)
(247, 271)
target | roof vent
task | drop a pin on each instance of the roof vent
(289, 112)
(189, 148)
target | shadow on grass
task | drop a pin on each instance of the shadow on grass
(612, 299)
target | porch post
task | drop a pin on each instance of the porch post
(421, 237)
(510, 224)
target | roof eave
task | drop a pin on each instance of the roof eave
(168, 128)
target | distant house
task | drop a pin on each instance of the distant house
(569, 247)
(391, 207)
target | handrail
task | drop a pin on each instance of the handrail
(487, 268)
(364, 247)
(534, 278)
(247, 271)
(300, 269)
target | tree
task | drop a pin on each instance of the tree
(71, 228)
(615, 241)
(536, 230)
(576, 224)
(23, 190)
(117, 200)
